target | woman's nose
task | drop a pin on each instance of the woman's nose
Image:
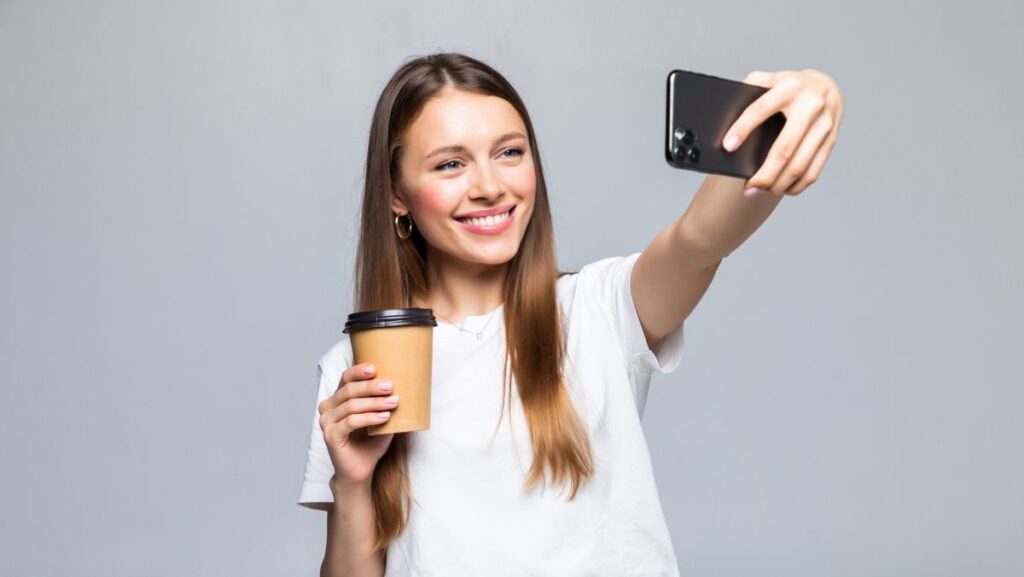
(487, 182)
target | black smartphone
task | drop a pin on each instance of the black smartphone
(700, 109)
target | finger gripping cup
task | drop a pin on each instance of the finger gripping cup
(400, 344)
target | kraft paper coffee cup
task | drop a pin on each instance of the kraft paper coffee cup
(400, 344)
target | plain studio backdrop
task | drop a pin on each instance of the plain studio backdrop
(178, 193)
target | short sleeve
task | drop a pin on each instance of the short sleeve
(608, 280)
(316, 492)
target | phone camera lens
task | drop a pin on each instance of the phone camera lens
(694, 155)
(685, 135)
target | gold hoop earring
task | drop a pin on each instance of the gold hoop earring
(398, 229)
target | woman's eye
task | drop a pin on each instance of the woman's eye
(453, 164)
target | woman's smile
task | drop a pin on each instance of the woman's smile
(488, 225)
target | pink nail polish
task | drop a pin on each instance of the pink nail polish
(731, 141)
(752, 191)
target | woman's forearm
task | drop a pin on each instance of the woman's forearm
(351, 531)
(719, 218)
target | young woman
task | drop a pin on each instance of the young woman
(456, 218)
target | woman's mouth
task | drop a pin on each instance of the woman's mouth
(488, 225)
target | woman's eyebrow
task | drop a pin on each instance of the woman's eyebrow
(455, 148)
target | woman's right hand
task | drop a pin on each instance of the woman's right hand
(358, 402)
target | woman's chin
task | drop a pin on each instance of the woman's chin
(480, 253)
(496, 258)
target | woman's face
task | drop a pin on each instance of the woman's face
(466, 153)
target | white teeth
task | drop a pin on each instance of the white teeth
(487, 221)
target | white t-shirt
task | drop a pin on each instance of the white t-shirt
(471, 515)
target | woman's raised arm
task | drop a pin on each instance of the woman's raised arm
(674, 271)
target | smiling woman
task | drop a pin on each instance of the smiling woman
(456, 218)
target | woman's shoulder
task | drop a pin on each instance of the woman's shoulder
(595, 282)
(565, 285)
(596, 271)
(338, 357)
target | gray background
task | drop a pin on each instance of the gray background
(179, 183)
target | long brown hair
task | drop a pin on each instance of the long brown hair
(392, 273)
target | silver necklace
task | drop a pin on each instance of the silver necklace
(479, 335)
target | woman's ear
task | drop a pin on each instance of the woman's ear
(398, 204)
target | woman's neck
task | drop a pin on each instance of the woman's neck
(459, 289)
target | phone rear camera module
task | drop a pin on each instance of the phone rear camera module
(694, 155)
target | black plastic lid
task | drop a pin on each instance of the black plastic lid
(389, 318)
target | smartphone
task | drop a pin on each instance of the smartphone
(700, 109)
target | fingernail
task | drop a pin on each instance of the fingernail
(385, 385)
(731, 141)
(752, 191)
(368, 370)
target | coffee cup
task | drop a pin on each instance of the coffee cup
(400, 344)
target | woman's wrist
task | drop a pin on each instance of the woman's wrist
(340, 487)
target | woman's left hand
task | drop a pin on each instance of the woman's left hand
(813, 107)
